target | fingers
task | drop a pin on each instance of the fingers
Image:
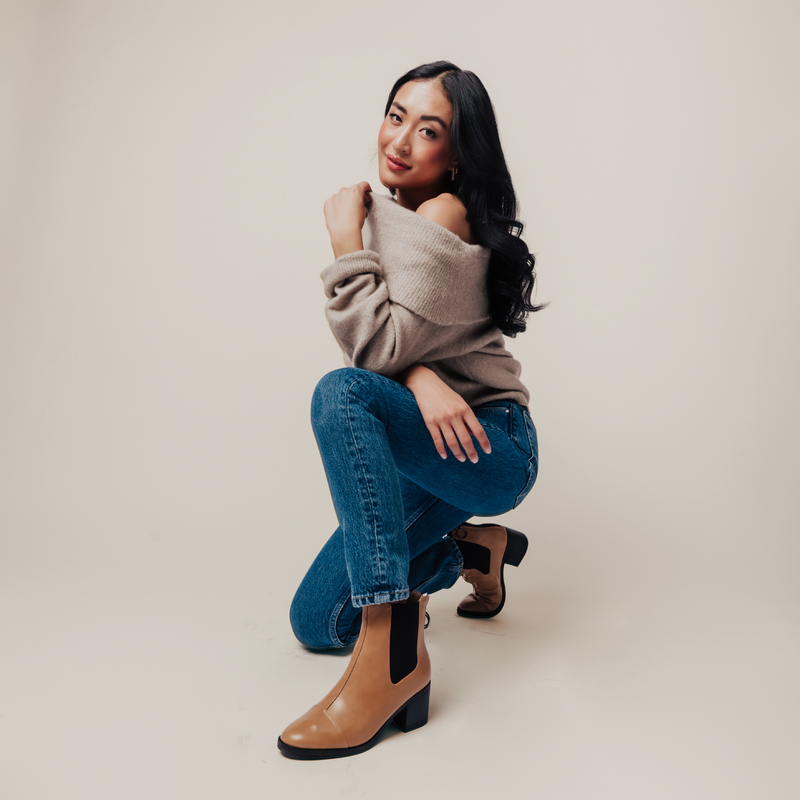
(466, 441)
(437, 440)
(346, 210)
(449, 420)
(478, 432)
(452, 443)
(358, 188)
(457, 434)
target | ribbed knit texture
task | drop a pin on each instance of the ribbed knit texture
(417, 293)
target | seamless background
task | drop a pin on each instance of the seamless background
(163, 167)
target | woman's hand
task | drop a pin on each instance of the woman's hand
(345, 213)
(445, 414)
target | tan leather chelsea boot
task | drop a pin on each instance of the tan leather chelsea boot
(388, 678)
(486, 549)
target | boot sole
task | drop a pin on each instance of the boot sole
(411, 715)
(516, 547)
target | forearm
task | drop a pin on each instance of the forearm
(379, 336)
(375, 333)
(415, 376)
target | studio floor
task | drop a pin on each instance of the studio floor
(165, 674)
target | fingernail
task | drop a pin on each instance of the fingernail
(474, 460)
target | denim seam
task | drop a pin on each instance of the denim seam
(498, 428)
(411, 520)
(354, 438)
(531, 474)
(512, 427)
(456, 552)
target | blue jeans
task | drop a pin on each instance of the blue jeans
(397, 499)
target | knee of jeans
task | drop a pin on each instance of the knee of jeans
(310, 628)
(321, 621)
(336, 390)
(328, 388)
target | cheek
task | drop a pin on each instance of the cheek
(384, 136)
(435, 155)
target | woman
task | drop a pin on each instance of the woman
(425, 283)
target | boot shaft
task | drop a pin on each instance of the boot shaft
(390, 650)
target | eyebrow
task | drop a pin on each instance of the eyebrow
(425, 117)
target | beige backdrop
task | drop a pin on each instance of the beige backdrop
(163, 165)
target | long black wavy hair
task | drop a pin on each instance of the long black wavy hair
(483, 185)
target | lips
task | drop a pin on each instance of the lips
(396, 163)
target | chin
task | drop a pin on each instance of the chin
(389, 181)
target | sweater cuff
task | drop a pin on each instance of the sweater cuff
(358, 263)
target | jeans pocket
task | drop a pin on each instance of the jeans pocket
(497, 416)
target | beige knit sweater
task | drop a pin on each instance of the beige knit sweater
(415, 294)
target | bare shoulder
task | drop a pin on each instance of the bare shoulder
(449, 212)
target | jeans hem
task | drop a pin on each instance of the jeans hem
(361, 600)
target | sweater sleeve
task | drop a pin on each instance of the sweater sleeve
(374, 332)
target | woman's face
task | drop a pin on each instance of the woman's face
(414, 140)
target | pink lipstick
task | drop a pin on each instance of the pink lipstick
(396, 164)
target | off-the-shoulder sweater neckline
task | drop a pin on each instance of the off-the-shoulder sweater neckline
(429, 223)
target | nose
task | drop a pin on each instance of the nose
(402, 140)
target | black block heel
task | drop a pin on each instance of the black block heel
(516, 547)
(414, 714)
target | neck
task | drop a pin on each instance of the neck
(412, 199)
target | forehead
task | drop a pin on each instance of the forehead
(422, 98)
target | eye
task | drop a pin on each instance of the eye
(392, 114)
(430, 133)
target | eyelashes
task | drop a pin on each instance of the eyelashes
(430, 131)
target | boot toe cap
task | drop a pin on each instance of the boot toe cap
(315, 730)
(476, 605)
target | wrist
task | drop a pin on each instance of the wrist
(344, 242)
(413, 375)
